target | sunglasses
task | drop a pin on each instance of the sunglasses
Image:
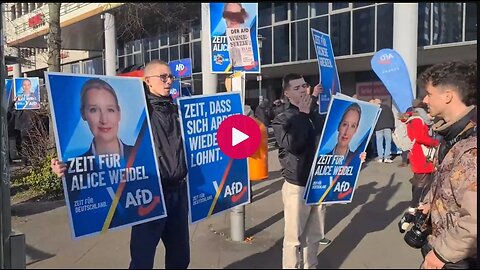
(164, 77)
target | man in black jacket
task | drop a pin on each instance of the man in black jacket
(167, 136)
(297, 131)
(173, 229)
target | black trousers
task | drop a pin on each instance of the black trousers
(173, 230)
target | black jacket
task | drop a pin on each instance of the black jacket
(167, 137)
(297, 135)
(386, 118)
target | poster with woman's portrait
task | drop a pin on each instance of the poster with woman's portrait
(27, 93)
(233, 37)
(348, 127)
(103, 135)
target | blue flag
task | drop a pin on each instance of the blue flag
(392, 71)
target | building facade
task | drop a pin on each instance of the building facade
(446, 31)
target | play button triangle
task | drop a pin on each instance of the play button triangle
(238, 136)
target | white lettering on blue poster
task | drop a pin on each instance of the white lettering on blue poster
(345, 136)
(181, 68)
(225, 16)
(216, 182)
(103, 135)
(27, 93)
(328, 75)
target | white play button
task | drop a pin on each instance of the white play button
(238, 136)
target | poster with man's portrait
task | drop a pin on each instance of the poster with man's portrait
(27, 93)
(103, 135)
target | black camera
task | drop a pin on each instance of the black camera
(405, 221)
(416, 237)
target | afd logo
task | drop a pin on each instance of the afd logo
(181, 69)
(385, 59)
(235, 190)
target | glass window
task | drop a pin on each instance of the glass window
(24, 8)
(137, 44)
(31, 7)
(121, 62)
(196, 31)
(154, 55)
(317, 9)
(137, 59)
(197, 57)
(281, 11)
(163, 39)
(266, 50)
(424, 23)
(281, 45)
(340, 33)
(336, 6)
(146, 57)
(185, 51)
(173, 38)
(300, 41)
(301, 11)
(128, 48)
(447, 22)
(320, 24)
(356, 5)
(39, 5)
(98, 65)
(364, 30)
(173, 53)
(76, 68)
(471, 22)
(129, 60)
(264, 14)
(19, 10)
(13, 12)
(153, 43)
(385, 29)
(163, 55)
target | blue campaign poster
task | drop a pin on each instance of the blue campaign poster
(392, 71)
(181, 68)
(216, 182)
(334, 172)
(102, 132)
(327, 68)
(27, 93)
(232, 15)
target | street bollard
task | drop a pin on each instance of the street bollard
(237, 223)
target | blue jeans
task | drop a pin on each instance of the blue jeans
(384, 153)
(173, 230)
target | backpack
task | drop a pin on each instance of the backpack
(400, 137)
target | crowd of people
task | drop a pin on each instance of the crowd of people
(443, 160)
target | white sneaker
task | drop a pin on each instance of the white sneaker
(387, 160)
(379, 160)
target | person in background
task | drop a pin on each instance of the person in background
(383, 132)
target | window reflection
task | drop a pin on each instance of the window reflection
(281, 44)
(363, 30)
(340, 33)
(471, 21)
(385, 29)
(447, 22)
(424, 24)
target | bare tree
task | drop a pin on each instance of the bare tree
(54, 42)
(138, 20)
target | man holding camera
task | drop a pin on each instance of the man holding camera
(451, 202)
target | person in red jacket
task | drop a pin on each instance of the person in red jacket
(418, 126)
